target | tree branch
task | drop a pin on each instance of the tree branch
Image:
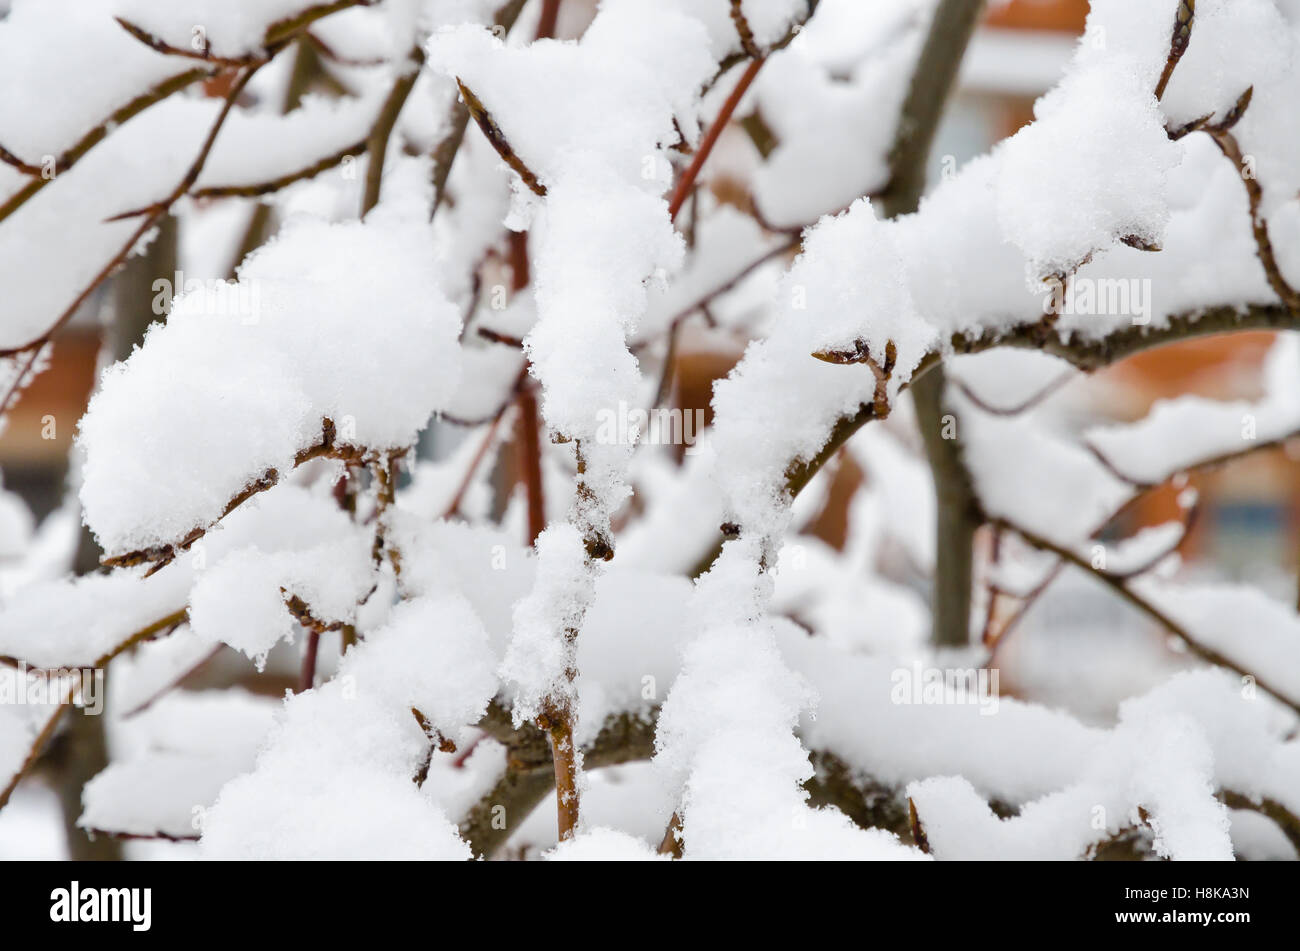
(160, 556)
(92, 138)
(687, 181)
(257, 189)
(497, 139)
(444, 153)
(377, 142)
(1121, 587)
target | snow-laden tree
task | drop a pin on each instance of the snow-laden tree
(443, 219)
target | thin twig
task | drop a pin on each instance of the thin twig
(1227, 144)
(687, 181)
(151, 215)
(453, 509)
(1182, 36)
(497, 139)
(203, 53)
(444, 153)
(1121, 587)
(549, 17)
(382, 130)
(34, 752)
(92, 138)
(159, 556)
(529, 454)
(256, 189)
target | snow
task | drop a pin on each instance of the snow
(184, 749)
(725, 738)
(254, 148)
(1212, 74)
(227, 27)
(217, 447)
(1110, 157)
(252, 395)
(1180, 433)
(20, 723)
(65, 96)
(291, 818)
(355, 740)
(241, 600)
(421, 635)
(1216, 615)
(844, 291)
(56, 243)
(604, 95)
(1038, 480)
(541, 651)
(1159, 765)
(604, 845)
(75, 622)
(818, 117)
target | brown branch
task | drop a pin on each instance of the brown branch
(162, 625)
(142, 837)
(1121, 587)
(176, 683)
(278, 36)
(1095, 354)
(22, 379)
(671, 844)
(547, 21)
(159, 628)
(1017, 409)
(1285, 819)
(687, 180)
(992, 592)
(34, 752)
(205, 53)
(702, 302)
(381, 132)
(1198, 465)
(160, 556)
(1182, 36)
(932, 80)
(280, 32)
(628, 737)
(151, 216)
(255, 189)
(731, 60)
(495, 336)
(1083, 354)
(529, 774)
(444, 153)
(557, 720)
(743, 30)
(1227, 144)
(10, 159)
(92, 138)
(994, 639)
(385, 474)
(664, 388)
(334, 56)
(497, 139)
(467, 480)
(528, 427)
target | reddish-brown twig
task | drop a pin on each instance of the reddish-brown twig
(687, 181)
